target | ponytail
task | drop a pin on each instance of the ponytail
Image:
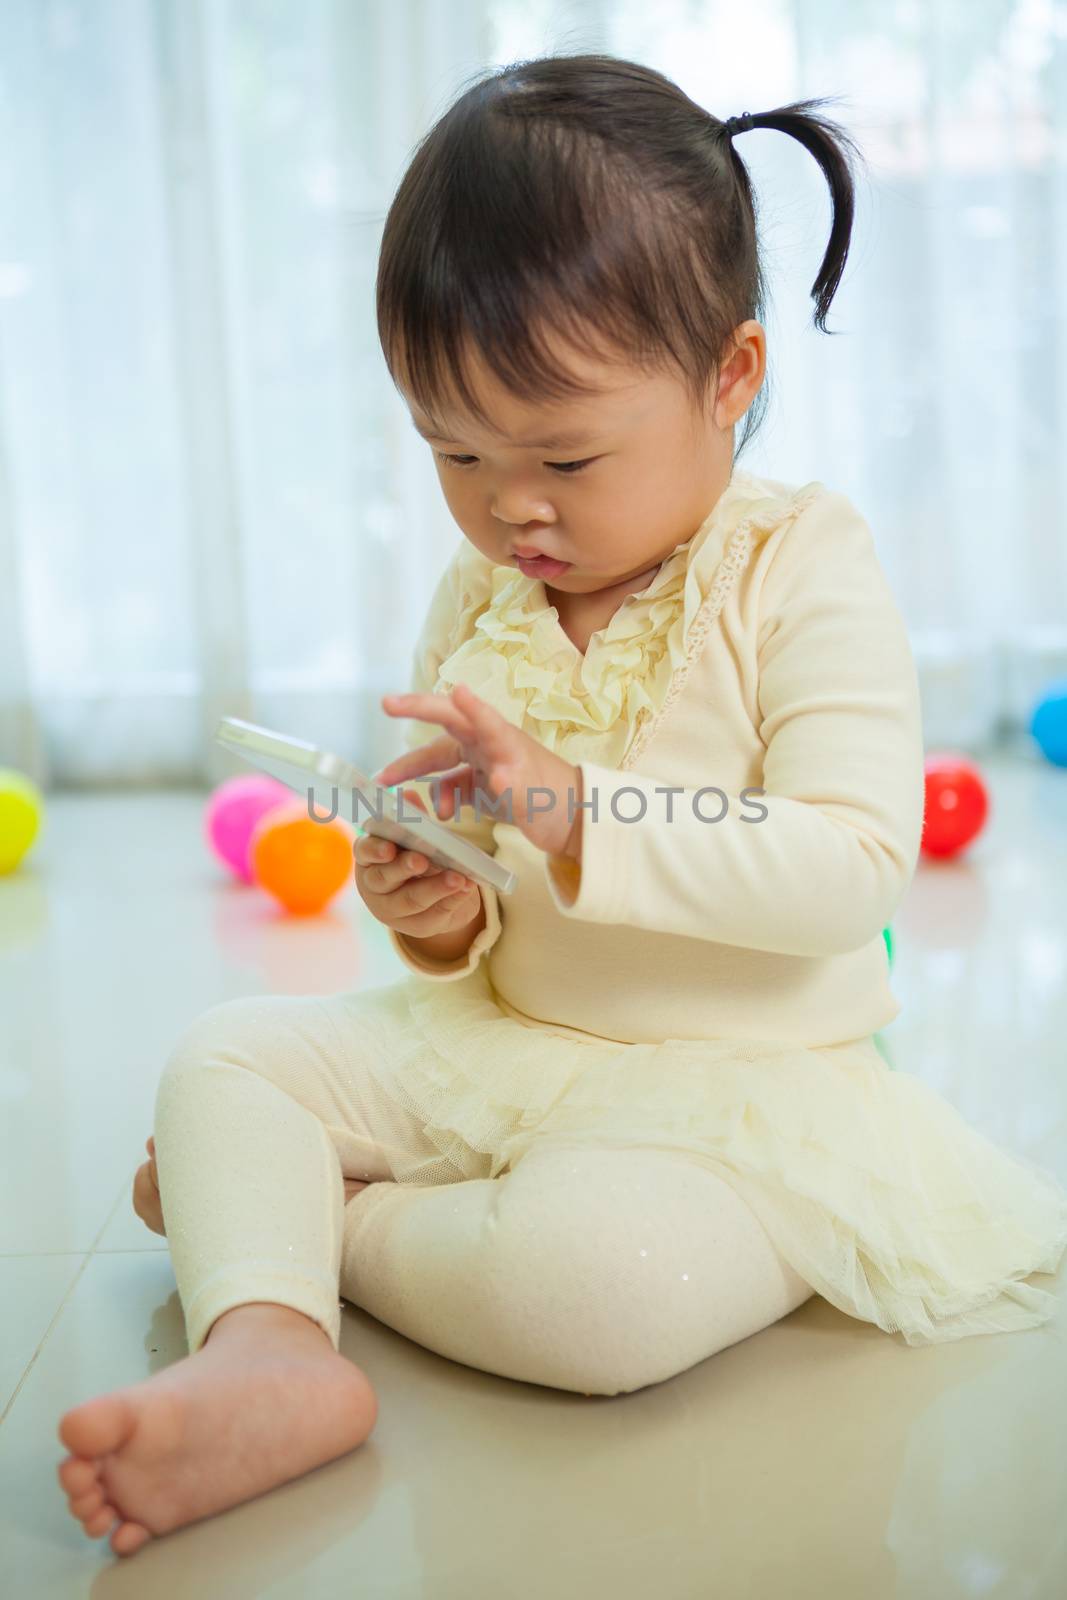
(835, 150)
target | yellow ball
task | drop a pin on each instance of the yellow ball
(21, 813)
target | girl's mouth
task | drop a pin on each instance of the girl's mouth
(541, 567)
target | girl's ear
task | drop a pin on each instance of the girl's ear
(741, 374)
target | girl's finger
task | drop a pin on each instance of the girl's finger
(452, 788)
(373, 848)
(416, 763)
(487, 721)
(482, 721)
(440, 708)
(439, 893)
(478, 724)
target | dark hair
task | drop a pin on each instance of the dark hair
(584, 194)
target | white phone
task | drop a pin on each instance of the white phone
(321, 776)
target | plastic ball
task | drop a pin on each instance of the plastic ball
(1048, 723)
(300, 861)
(888, 937)
(233, 811)
(21, 814)
(956, 807)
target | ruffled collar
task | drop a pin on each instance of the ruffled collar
(510, 647)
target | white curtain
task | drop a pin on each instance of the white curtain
(211, 498)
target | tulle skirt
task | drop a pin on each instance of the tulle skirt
(872, 1186)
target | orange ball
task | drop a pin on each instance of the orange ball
(300, 861)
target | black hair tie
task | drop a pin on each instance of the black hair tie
(734, 125)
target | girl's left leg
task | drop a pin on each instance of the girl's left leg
(584, 1268)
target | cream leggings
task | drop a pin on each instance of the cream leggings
(593, 1270)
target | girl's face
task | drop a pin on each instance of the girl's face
(610, 483)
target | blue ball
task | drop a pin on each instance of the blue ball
(1048, 724)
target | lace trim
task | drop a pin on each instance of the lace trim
(734, 561)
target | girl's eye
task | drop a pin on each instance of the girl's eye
(566, 467)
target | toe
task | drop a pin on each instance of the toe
(77, 1477)
(87, 1505)
(128, 1538)
(99, 1426)
(99, 1524)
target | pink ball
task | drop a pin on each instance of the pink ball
(232, 812)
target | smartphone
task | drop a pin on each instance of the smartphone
(332, 783)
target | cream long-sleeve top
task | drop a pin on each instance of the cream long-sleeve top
(765, 678)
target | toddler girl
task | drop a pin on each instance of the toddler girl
(634, 1111)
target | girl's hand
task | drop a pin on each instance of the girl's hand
(497, 758)
(410, 893)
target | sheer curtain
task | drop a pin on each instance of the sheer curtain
(211, 498)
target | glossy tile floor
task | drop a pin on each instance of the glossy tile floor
(820, 1457)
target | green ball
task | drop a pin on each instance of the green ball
(21, 813)
(888, 937)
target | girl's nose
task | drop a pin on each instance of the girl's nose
(524, 515)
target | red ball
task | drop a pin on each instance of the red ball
(956, 806)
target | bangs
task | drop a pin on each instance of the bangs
(437, 372)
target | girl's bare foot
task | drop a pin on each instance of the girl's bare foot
(265, 1399)
(146, 1200)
